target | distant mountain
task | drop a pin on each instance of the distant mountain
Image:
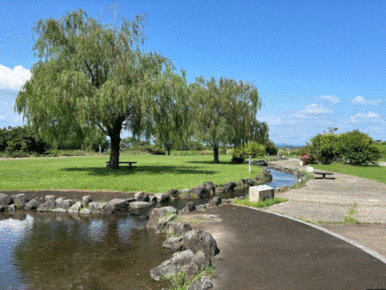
(285, 145)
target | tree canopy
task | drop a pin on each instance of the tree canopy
(89, 74)
(223, 111)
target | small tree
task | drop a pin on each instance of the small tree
(323, 148)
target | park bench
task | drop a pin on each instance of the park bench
(324, 174)
(123, 162)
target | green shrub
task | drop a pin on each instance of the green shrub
(323, 147)
(238, 155)
(357, 148)
(254, 149)
(271, 149)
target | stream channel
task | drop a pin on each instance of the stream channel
(62, 251)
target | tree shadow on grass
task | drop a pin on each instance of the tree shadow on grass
(137, 170)
(211, 162)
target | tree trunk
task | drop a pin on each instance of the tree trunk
(115, 142)
(168, 149)
(215, 155)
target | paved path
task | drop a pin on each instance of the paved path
(261, 250)
(330, 200)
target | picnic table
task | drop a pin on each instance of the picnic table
(324, 174)
(123, 162)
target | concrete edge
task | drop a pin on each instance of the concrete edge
(363, 248)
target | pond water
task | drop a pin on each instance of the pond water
(62, 251)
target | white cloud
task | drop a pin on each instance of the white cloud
(365, 117)
(331, 99)
(362, 101)
(2, 117)
(271, 120)
(13, 79)
(316, 109)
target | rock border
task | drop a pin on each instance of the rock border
(194, 248)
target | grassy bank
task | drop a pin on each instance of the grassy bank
(377, 173)
(151, 174)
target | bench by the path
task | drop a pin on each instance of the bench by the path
(130, 163)
(324, 174)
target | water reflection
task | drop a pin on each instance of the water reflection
(59, 252)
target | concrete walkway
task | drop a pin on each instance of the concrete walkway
(261, 250)
(330, 200)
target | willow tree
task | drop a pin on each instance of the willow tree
(170, 109)
(88, 73)
(215, 107)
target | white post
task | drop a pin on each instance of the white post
(249, 163)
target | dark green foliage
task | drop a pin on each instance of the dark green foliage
(238, 155)
(271, 149)
(18, 140)
(358, 148)
(323, 147)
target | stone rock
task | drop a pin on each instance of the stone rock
(163, 221)
(173, 193)
(157, 213)
(59, 202)
(49, 205)
(181, 261)
(11, 208)
(227, 187)
(184, 193)
(177, 228)
(75, 207)
(230, 185)
(211, 187)
(215, 201)
(201, 207)
(19, 200)
(59, 209)
(203, 283)
(152, 199)
(5, 199)
(85, 211)
(161, 197)
(94, 206)
(172, 199)
(188, 207)
(201, 191)
(50, 197)
(256, 177)
(140, 204)
(2, 208)
(106, 208)
(174, 243)
(226, 201)
(196, 240)
(86, 200)
(248, 181)
(141, 196)
(119, 204)
(67, 203)
(34, 203)
(267, 175)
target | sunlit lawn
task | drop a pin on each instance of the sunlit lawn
(151, 174)
(371, 172)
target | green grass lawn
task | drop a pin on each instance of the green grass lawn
(371, 172)
(151, 174)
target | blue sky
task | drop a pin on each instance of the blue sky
(316, 64)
